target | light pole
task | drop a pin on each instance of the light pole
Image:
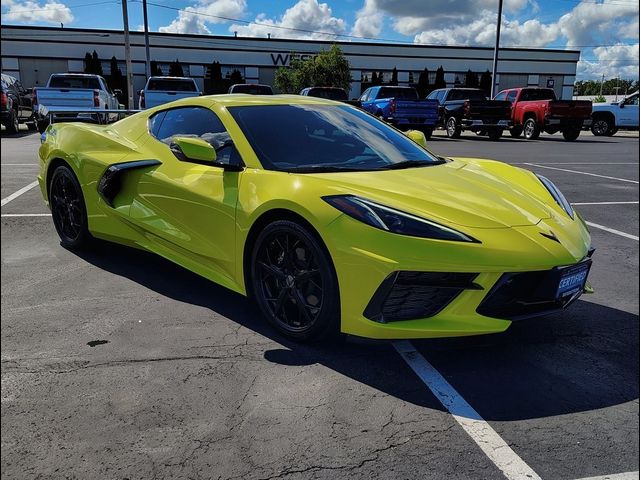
(496, 50)
(127, 55)
(146, 39)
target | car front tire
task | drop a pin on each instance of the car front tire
(531, 129)
(294, 283)
(13, 124)
(601, 127)
(452, 127)
(68, 208)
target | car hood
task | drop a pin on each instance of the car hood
(467, 192)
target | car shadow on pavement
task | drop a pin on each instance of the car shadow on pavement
(582, 359)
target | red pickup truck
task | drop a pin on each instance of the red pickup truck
(534, 110)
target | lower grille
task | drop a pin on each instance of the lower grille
(412, 295)
(517, 296)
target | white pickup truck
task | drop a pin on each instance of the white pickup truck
(608, 118)
(72, 92)
(159, 90)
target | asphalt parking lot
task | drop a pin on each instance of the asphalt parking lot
(117, 364)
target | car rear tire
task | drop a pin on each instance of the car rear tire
(68, 209)
(530, 129)
(13, 124)
(32, 126)
(427, 132)
(294, 283)
(571, 134)
(515, 131)
(601, 126)
(452, 127)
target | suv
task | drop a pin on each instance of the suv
(251, 88)
(16, 105)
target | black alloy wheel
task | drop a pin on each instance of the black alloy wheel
(294, 283)
(601, 127)
(68, 208)
(515, 131)
(571, 134)
(495, 134)
(13, 123)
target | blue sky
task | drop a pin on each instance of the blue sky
(606, 31)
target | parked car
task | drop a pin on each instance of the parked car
(534, 110)
(72, 92)
(469, 109)
(401, 107)
(251, 88)
(332, 93)
(16, 105)
(160, 90)
(607, 118)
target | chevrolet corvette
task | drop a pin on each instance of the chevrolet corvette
(328, 218)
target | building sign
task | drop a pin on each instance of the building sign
(284, 59)
(550, 82)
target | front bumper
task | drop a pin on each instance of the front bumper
(363, 265)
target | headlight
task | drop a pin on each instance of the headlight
(557, 195)
(392, 220)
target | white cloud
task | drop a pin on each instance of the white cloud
(35, 12)
(614, 61)
(194, 19)
(306, 15)
(368, 20)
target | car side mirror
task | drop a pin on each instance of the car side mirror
(622, 104)
(417, 136)
(190, 149)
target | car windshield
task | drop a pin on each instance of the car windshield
(172, 85)
(330, 93)
(299, 138)
(252, 89)
(402, 93)
(69, 81)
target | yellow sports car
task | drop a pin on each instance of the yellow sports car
(330, 219)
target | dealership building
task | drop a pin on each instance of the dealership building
(33, 53)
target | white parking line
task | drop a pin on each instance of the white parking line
(25, 215)
(612, 230)
(605, 203)
(18, 164)
(498, 451)
(582, 173)
(616, 476)
(15, 195)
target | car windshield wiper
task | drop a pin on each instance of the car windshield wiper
(323, 168)
(413, 163)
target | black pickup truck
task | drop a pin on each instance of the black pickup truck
(469, 109)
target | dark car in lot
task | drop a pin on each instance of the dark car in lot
(16, 104)
(469, 109)
(251, 89)
(332, 93)
(535, 110)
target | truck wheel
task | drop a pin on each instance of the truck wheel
(515, 131)
(495, 134)
(42, 124)
(613, 132)
(531, 129)
(453, 129)
(427, 132)
(601, 126)
(12, 125)
(32, 126)
(570, 134)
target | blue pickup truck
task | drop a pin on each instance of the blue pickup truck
(401, 107)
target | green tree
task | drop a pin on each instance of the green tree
(485, 82)
(96, 64)
(394, 77)
(471, 79)
(439, 81)
(175, 69)
(330, 68)
(236, 77)
(423, 84)
(88, 63)
(156, 71)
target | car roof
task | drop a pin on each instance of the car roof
(245, 99)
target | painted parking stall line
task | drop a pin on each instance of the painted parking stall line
(583, 173)
(15, 195)
(25, 215)
(612, 230)
(493, 446)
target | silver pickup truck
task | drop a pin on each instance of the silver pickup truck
(71, 92)
(160, 90)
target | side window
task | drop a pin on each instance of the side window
(526, 96)
(442, 96)
(501, 96)
(433, 95)
(365, 95)
(195, 122)
(632, 100)
(511, 96)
